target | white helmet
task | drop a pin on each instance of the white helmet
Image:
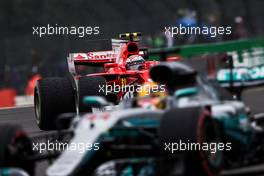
(135, 62)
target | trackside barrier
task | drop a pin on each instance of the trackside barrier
(22, 101)
(17, 101)
(239, 46)
(7, 97)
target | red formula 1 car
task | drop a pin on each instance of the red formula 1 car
(123, 69)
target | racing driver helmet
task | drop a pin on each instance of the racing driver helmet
(152, 95)
(135, 62)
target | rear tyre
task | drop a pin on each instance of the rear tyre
(187, 126)
(90, 86)
(15, 148)
(53, 96)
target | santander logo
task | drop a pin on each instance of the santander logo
(100, 55)
(109, 55)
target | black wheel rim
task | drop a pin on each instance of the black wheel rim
(37, 105)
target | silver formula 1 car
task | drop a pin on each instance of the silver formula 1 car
(199, 130)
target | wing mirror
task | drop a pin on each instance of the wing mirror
(186, 92)
(95, 101)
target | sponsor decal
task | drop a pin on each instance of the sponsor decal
(95, 56)
(242, 74)
(103, 116)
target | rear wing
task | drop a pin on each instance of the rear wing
(98, 58)
(90, 58)
(101, 57)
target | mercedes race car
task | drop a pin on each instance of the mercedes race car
(122, 70)
(194, 128)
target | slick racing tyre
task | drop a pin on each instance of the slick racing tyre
(15, 148)
(187, 127)
(90, 86)
(52, 97)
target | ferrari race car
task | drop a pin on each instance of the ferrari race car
(124, 68)
(199, 130)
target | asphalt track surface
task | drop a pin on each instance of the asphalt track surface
(24, 116)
